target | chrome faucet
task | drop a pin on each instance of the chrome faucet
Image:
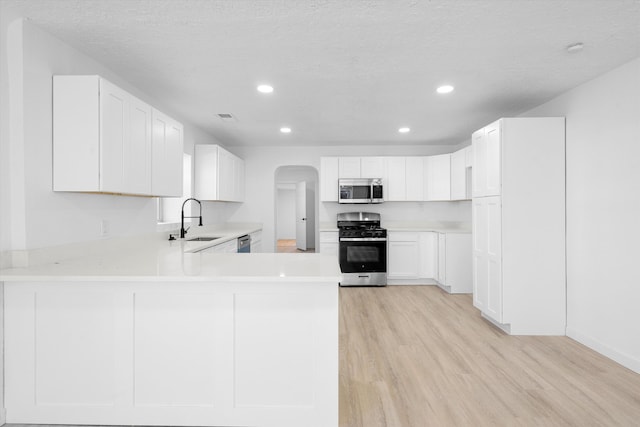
(183, 232)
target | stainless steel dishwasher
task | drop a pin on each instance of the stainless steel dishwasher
(244, 244)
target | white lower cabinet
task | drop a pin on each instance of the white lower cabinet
(329, 242)
(411, 257)
(428, 254)
(236, 352)
(227, 247)
(454, 263)
(403, 260)
(256, 241)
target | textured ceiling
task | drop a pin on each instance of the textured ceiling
(346, 71)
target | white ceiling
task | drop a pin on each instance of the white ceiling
(346, 71)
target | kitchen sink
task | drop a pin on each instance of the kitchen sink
(202, 239)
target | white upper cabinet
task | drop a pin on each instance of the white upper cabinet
(137, 156)
(373, 167)
(167, 156)
(468, 156)
(219, 174)
(414, 177)
(460, 177)
(102, 139)
(410, 178)
(396, 185)
(493, 169)
(487, 161)
(226, 175)
(405, 179)
(362, 167)
(114, 135)
(328, 179)
(437, 172)
(334, 168)
(479, 152)
(349, 167)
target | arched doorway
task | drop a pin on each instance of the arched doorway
(296, 208)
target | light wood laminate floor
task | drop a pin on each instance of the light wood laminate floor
(416, 356)
(288, 246)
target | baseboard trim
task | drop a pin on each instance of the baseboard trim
(425, 282)
(617, 356)
(504, 327)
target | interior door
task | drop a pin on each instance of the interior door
(301, 215)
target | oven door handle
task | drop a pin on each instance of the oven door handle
(363, 239)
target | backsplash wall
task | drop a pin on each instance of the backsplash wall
(458, 211)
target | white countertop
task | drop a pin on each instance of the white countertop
(154, 258)
(224, 234)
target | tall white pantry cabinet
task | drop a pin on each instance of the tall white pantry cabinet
(518, 215)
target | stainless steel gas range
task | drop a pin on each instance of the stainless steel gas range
(363, 249)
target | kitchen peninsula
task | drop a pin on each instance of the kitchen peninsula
(148, 332)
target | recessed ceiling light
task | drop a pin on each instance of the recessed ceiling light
(265, 88)
(404, 130)
(575, 48)
(285, 130)
(445, 89)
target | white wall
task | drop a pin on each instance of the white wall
(5, 175)
(10, 82)
(261, 164)
(603, 211)
(34, 216)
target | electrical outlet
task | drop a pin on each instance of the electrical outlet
(104, 228)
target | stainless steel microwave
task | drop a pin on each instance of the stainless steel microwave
(360, 190)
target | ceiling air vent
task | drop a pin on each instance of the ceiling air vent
(226, 117)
